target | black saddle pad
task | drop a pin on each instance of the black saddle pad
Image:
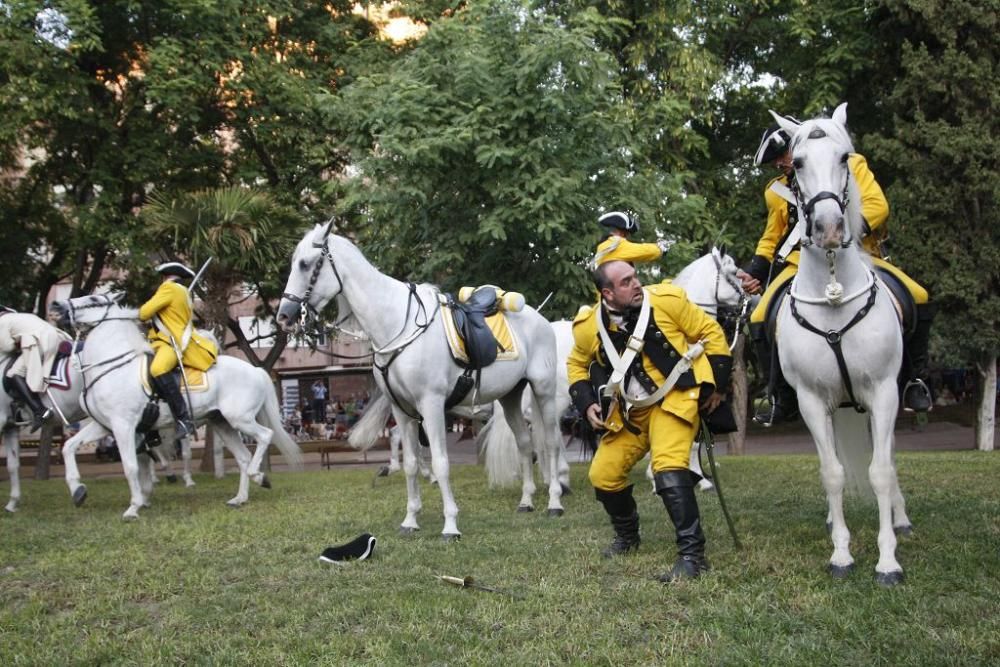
(470, 320)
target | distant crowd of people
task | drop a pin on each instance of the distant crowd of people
(336, 415)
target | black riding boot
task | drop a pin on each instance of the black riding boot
(676, 488)
(783, 405)
(31, 399)
(916, 394)
(169, 389)
(620, 506)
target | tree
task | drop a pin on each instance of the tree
(486, 153)
(944, 144)
(103, 103)
(248, 237)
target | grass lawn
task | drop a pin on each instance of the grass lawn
(194, 582)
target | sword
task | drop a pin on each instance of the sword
(197, 276)
(709, 442)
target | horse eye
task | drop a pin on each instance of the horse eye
(303, 264)
(798, 162)
(843, 158)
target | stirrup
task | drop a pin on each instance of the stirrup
(925, 393)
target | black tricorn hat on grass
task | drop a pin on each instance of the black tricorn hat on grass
(359, 548)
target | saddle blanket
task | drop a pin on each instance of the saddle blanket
(507, 346)
(59, 377)
(197, 381)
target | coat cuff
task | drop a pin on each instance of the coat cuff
(759, 268)
(722, 366)
(583, 396)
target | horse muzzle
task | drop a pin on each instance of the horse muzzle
(288, 314)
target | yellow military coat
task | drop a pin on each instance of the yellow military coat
(874, 209)
(619, 248)
(172, 306)
(680, 323)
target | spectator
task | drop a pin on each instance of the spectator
(319, 401)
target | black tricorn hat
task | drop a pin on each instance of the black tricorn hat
(175, 269)
(359, 548)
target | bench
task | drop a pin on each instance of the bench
(328, 447)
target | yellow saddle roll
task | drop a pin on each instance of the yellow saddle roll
(511, 302)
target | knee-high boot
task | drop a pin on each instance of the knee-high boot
(168, 388)
(621, 508)
(916, 394)
(31, 399)
(783, 404)
(676, 488)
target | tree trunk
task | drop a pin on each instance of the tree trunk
(738, 400)
(987, 394)
(208, 453)
(44, 450)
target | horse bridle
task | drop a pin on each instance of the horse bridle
(725, 314)
(809, 206)
(305, 299)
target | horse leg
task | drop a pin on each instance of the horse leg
(511, 404)
(147, 476)
(186, 458)
(125, 437)
(231, 440)
(90, 432)
(543, 392)
(820, 423)
(900, 521)
(12, 445)
(882, 475)
(434, 427)
(394, 442)
(408, 430)
(695, 466)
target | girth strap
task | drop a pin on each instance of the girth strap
(834, 338)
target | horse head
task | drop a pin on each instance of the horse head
(729, 289)
(85, 311)
(823, 185)
(313, 280)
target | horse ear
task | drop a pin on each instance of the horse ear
(722, 250)
(785, 124)
(321, 232)
(840, 114)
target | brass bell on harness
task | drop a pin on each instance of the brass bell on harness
(511, 302)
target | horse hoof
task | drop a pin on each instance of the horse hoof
(556, 512)
(265, 482)
(841, 571)
(130, 517)
(451, 537)
(566, 491)
(383, 472)
(904, 531)
(829, 527)
(171, 479)
(235, 504)
(525, 508)
(79, 495)
(889, 579)
(10, 507)
(407, 531)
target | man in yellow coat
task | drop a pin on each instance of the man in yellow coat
(776, 261)
(171, 335)
(647, 342)
(617, 246)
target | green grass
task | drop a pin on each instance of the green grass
(194, 582)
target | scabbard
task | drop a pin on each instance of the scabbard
(709, 442)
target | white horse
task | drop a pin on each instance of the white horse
(65, 400)
(840, 340)
(710, 282)
(414, 364)
(239, 399)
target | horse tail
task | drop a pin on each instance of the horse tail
(368, 429)
(853, 440)
(270, 416)
(499, 450)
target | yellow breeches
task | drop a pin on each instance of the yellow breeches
(665, 435)
(918, 293)
(165, 359)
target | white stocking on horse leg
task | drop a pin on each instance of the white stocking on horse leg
(408, 429)
(90, 432)
(436, 433)
(11, 444)
(882, 475)
(515, 420)
(125, 437)
(832, 474)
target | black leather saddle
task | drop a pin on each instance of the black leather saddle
(481, 345)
